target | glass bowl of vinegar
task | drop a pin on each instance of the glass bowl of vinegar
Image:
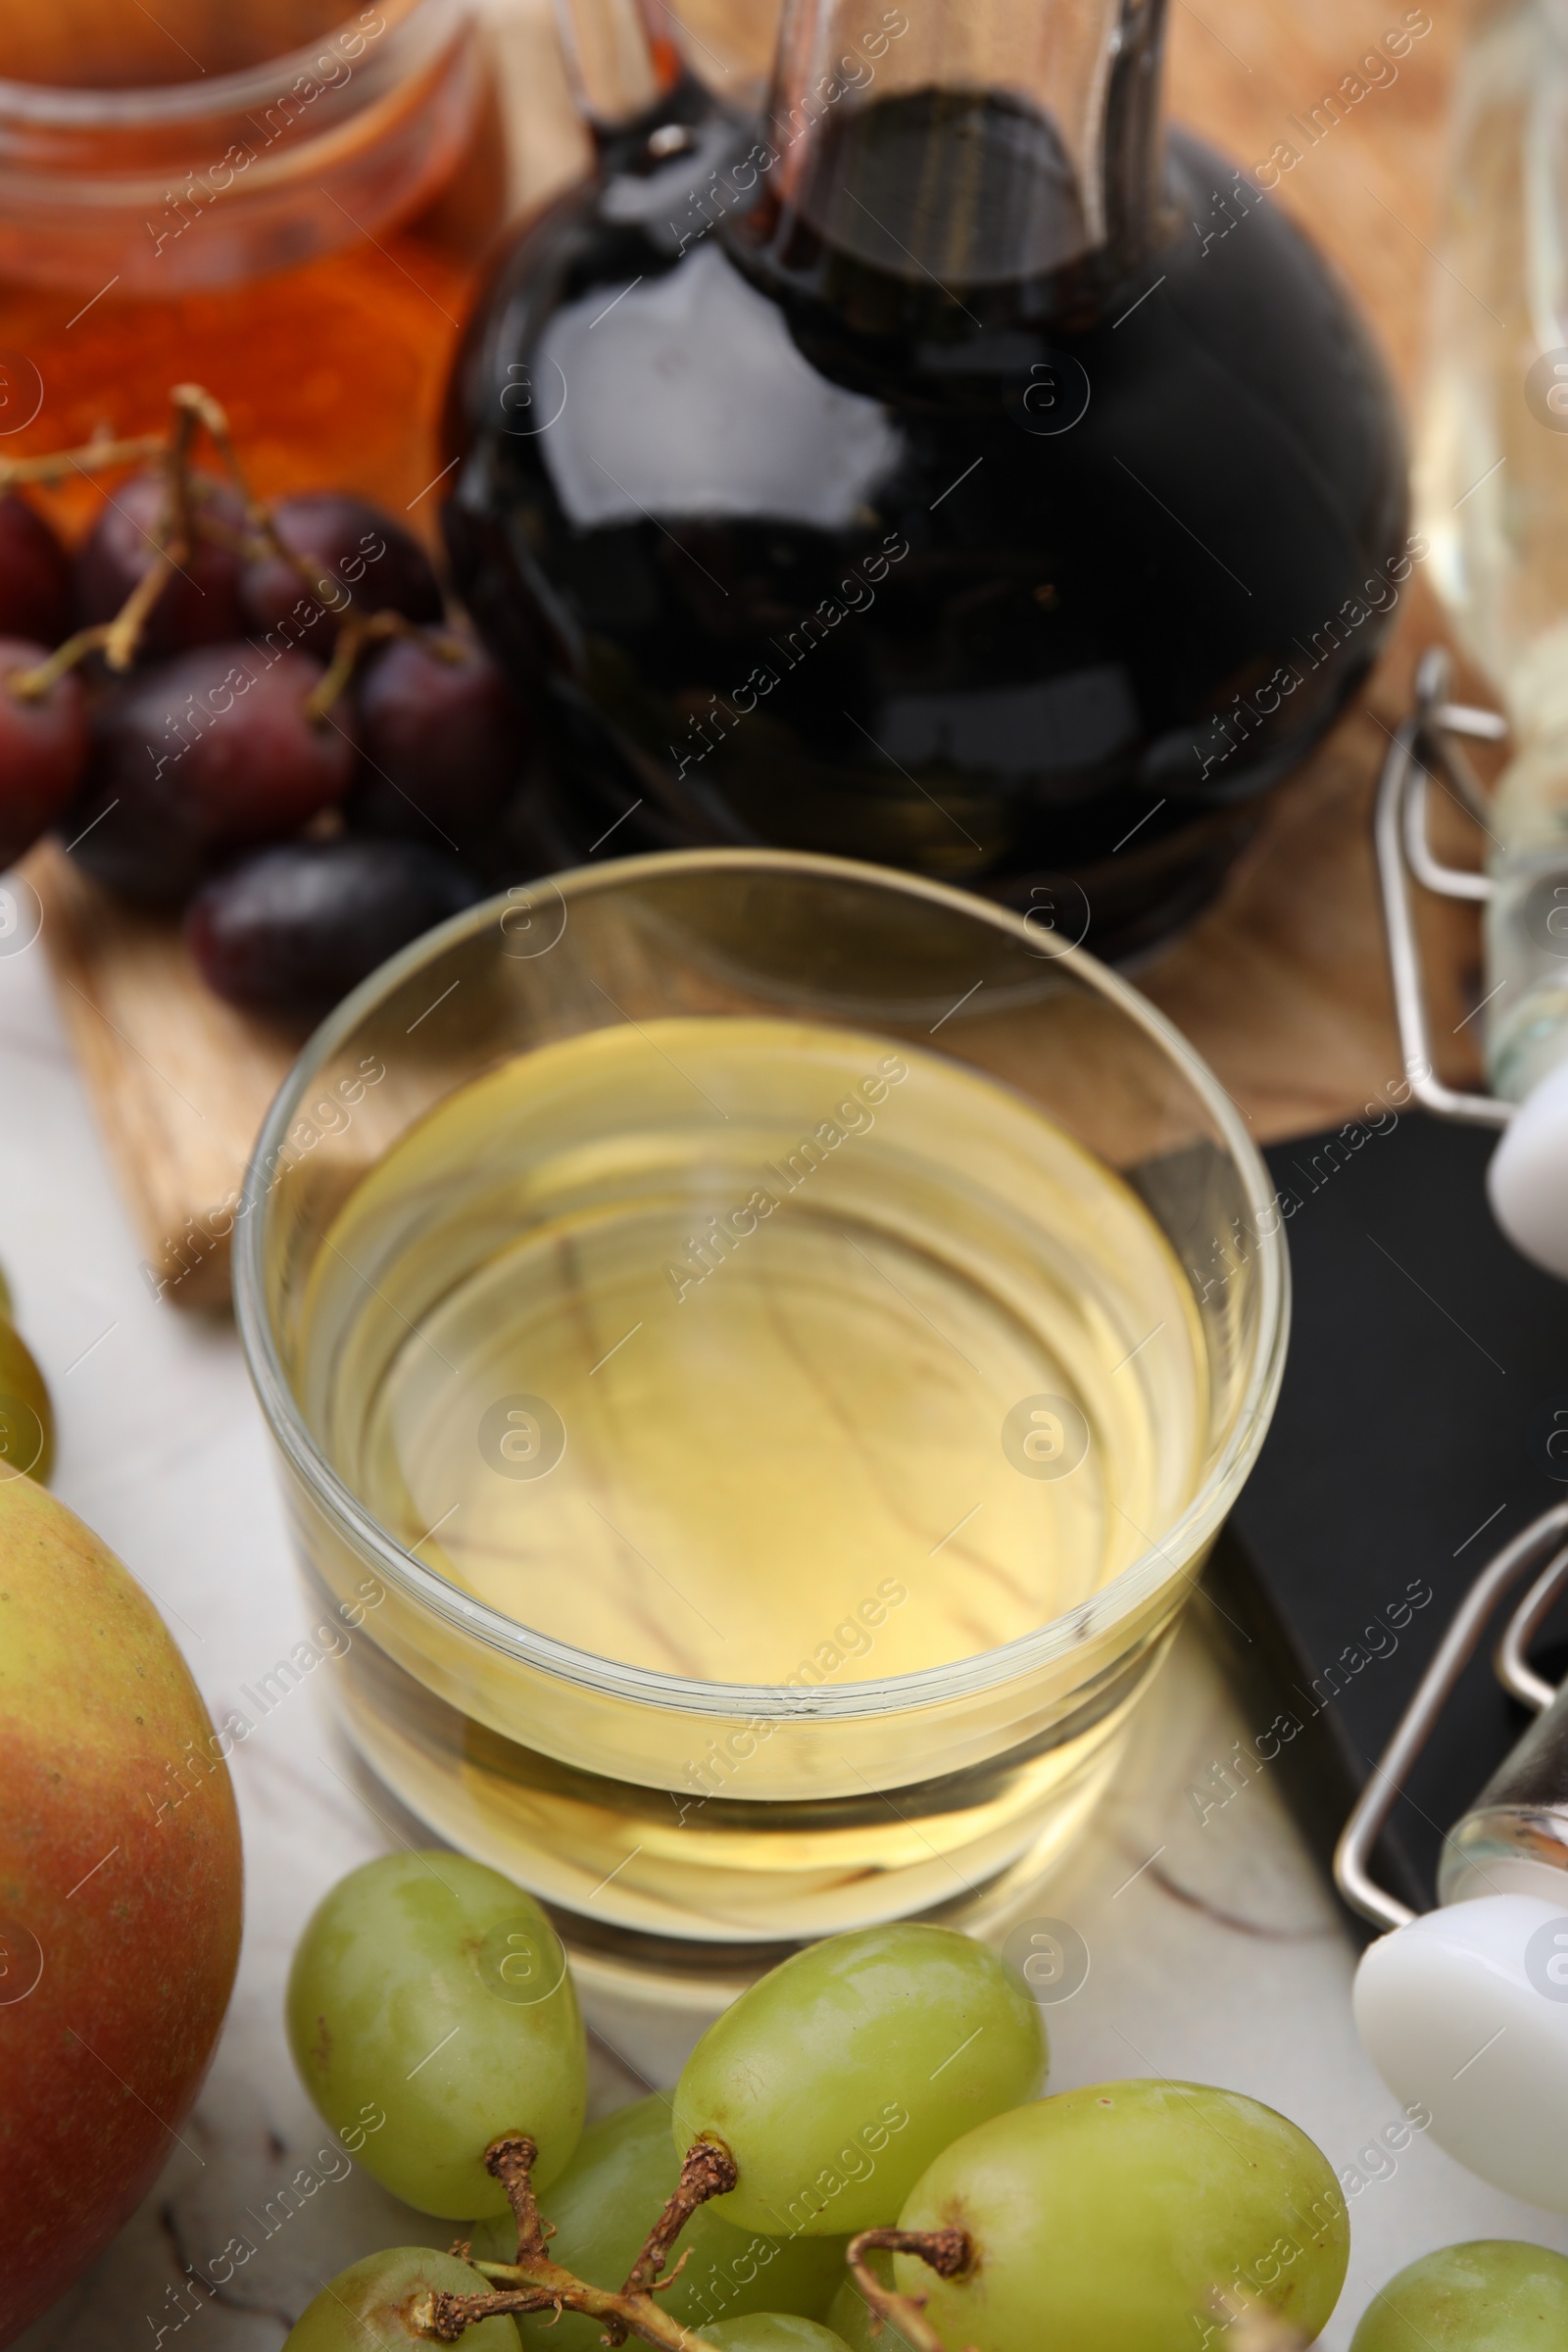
(758, 1348)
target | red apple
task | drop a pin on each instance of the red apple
(120, 1897)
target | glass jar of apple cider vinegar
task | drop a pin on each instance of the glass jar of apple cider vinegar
(272, 198)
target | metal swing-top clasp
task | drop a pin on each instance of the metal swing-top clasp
(1427, 746)
(1353, 1859)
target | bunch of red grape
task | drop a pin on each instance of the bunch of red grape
(286, 739)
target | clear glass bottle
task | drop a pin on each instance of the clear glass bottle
(948, 470)
(1492, 488)
(1514, 1838)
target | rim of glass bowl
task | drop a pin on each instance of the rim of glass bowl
(138, 106)
(990, 1669)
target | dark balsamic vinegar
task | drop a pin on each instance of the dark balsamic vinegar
(940, 508)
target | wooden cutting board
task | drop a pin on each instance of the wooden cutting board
(1283, 986)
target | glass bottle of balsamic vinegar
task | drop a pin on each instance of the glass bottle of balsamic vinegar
(950, 469)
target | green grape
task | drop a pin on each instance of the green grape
(1493, 2295)
(430, 2009)
(835, 2079)
(773, 2332)
(603, 2207)
(1102, 2220)
(851, 2315)
(26, 1415)
(367, 2308)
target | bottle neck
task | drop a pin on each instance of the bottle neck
(623, 62)
(963, 148)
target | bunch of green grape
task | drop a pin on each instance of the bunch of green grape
(890, 2078)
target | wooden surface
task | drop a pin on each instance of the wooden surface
(179, 1080)
(1283, 986)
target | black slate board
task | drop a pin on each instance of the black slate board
(1426, 1359)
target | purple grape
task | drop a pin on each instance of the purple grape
(442, 745)
(203, 755)
(43, 750)
(35, 595)
(361, 562)
(200, 603)
(292, 930)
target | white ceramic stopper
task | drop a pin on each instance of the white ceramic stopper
(1466, 2010)
(1528, 1179)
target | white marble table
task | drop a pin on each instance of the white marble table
(1217, 1954)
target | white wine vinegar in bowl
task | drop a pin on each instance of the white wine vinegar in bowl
(757, 1362)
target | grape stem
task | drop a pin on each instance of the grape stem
(358, 631)
(60, 464)
(948, 2252)
(511, 2162)
(173, 544)
(180, 523)
(707, 2170)
(354, 636)
(533, 2283)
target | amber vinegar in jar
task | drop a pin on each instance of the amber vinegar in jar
(279, 200)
